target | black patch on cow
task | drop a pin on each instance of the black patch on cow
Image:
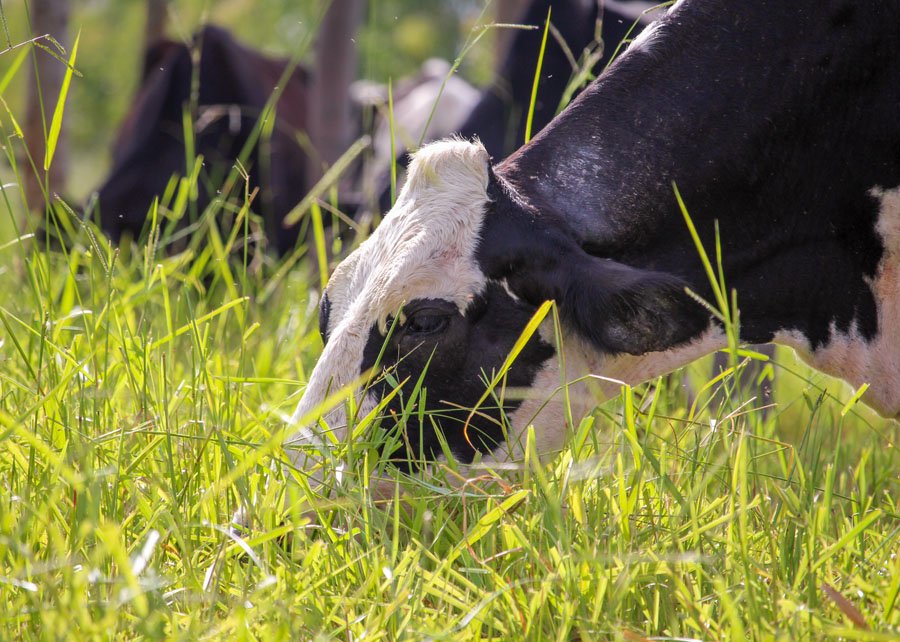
(324, 313)
(457, 355)
(616, 307)
(843, 15)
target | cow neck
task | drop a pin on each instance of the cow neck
(777, 111)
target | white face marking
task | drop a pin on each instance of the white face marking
(848, 355)
(424, 248)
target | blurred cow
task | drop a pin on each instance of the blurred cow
(234, 83)
(586, 32)
(430, 105)
(586, 27)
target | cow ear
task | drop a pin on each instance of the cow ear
(617, 308)
(624, 309)
(232, 72)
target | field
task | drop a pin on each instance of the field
(143, 398)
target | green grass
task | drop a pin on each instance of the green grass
(143, 399)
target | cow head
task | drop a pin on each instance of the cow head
(442, 291)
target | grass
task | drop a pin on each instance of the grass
(143, 398)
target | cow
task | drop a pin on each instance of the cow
(777, 124)
(234, 84)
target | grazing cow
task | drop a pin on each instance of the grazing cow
(778, 123)
(233, 85)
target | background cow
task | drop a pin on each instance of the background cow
(776, 121)
(586, 35)
(430, 105)
(586, 32)
(234, 83)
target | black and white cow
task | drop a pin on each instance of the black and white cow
(777, 120)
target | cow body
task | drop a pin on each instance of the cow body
(776, 121)
(233, 85)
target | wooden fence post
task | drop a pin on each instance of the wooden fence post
(330, 113)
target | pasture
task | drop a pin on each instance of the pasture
(143, 398)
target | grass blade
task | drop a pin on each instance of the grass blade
(537, 78)
(56, 122)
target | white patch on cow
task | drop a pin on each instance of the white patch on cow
(545, 406)
(849, 355)
(425, 248)
(888, 225)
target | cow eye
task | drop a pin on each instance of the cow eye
(426, 322)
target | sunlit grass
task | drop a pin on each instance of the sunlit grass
(142, 402)
(144, 392)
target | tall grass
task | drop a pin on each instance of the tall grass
(143, 397)
(140, 409)
(142, 401)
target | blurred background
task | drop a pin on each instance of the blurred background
(394, 38)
